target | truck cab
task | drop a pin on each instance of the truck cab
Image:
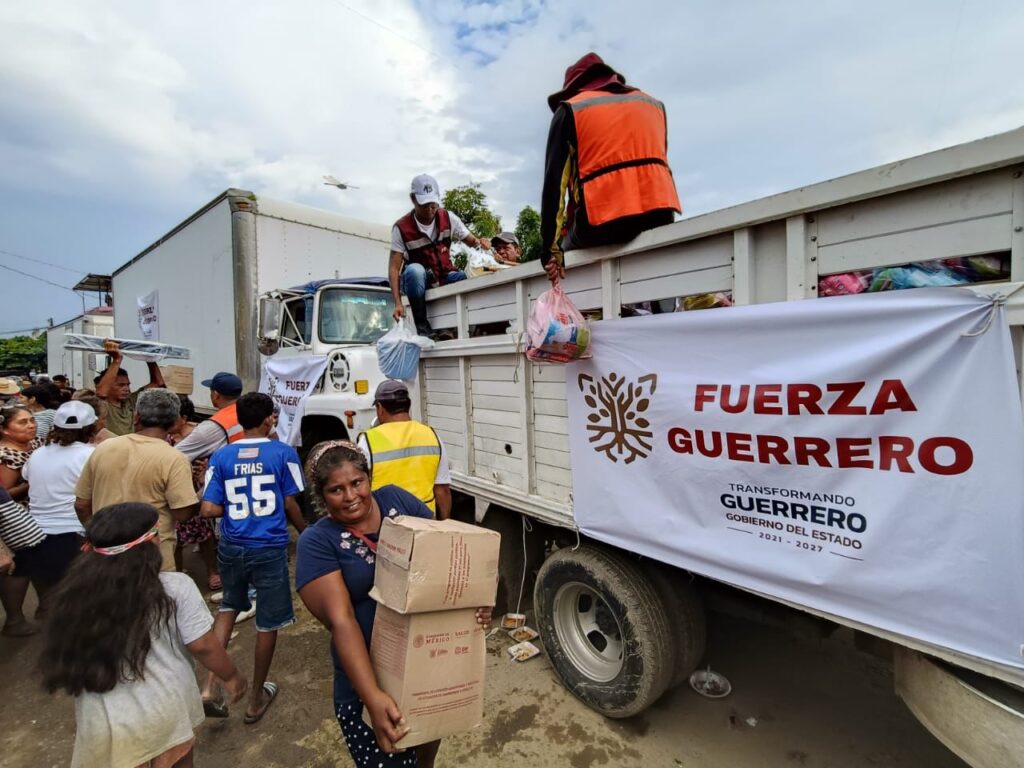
(340, 320)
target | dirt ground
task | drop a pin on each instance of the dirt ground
(795, 703)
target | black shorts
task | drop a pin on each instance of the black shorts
(48, 561)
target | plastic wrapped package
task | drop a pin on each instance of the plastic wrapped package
(915, 276)
(844, 284)
(398, 352)
(704, 301)
(556, 332)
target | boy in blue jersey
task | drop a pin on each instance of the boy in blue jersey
(252, 484)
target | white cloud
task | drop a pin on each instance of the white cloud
(154, 107)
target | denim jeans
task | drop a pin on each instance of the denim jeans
(414, 285)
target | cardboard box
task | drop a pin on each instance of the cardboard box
(432, 665)
(435, 565)
(178, 379)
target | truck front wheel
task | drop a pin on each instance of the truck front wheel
(604, 628)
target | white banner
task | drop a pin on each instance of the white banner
(149, 315)
(290, 381)
(858, 455)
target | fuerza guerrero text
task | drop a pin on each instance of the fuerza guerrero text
(938, 455)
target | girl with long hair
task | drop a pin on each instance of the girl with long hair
(120, 647)
(334, 572)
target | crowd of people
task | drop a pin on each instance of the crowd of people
(101, 489)
(96, 508)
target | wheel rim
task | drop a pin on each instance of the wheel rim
(588, 632)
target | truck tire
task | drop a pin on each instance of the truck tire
(604, 628)
(685, 611)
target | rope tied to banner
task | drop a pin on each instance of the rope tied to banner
(997, 301)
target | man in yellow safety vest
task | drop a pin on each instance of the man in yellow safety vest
(405, 452)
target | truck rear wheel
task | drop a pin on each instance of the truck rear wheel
(685, 612)
(605, 629)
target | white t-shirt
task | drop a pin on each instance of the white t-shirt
(52, 472)
(459, 232)
(137, 720)
(443, 476)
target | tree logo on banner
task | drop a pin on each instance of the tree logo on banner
(616, 426)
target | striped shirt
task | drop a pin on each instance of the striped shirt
(18, 529)
(44, 422)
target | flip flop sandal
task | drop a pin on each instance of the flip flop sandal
(271, 690)
(213, 708)
(214, 583)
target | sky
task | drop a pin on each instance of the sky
(118, 119)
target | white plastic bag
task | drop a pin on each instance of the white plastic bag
(556, 331)
(398, 352)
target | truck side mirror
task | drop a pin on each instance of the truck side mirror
(269, 340)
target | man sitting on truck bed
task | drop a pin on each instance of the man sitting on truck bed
(420, 243)
(608, 151)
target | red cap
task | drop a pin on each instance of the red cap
(591, 71)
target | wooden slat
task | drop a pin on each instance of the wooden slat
(451, 426)
(553, 491)
(551, 440)
(692, 256)
(454, 413)
(444, 398)
(497, 447)
(550, 458)
(503, 388)
(543, 407)
(548, 373)
(685, 284)
(443, 385)
(498, 432)
(450, 438)
(500, 418)
(436, 372)
(496, 314)
(494, 373)
(549, 390)
(497, 402)
(970, 198)
(962, 238)
(554, 475)
(509, 467)
(490, 361)
(557, 424)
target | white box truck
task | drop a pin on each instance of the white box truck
(620, 610)
(204, 279)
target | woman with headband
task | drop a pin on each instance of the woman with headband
(333, 574)
(120, 647)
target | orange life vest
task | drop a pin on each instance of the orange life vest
(622, 149)
(227, 419)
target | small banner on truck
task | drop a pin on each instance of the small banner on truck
(290, 381)
(149, 316)
(859, 455)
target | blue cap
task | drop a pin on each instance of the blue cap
(225, 383)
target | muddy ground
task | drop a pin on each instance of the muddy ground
(795, 702)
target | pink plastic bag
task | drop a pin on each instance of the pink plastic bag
(556, 332)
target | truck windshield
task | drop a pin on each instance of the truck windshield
(353, 316)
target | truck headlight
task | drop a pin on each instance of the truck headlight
(339, 371)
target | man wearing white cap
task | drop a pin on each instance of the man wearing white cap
(420, 243)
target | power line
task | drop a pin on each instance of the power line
(40, 279)
(40, 261)
(386, 28)
(24, 330)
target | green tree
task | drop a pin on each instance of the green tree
(470, 204)
(528, 232)
(23, 353)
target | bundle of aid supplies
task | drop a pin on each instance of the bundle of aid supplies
(556, 332)
(961, 270)
(398, 352)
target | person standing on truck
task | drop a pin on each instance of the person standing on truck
(608, 154)
(404, 452)
(420, 243)
(114, 386)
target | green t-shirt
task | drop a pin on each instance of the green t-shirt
(121, 418)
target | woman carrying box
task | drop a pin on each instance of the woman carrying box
(334, 574)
